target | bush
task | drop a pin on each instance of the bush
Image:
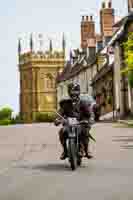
(17, 120)
(130, 78)
(5, 113)
(5, 122)
(45, 117)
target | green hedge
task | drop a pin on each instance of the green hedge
(17, 120)
(5, 113)
(6, 117)
(5, 122)
(45, 117)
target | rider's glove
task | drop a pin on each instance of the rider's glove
(57, 122)
(64, 122)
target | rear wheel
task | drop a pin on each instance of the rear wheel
(72, 154)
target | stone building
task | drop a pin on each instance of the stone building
(79, 72)
(38, 72)
(108, 79)
(123, 91)
(102, 82)
(97, 66)
(102, 75)
(77, 69)
(87, 62)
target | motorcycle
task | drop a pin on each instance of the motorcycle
(73, 144)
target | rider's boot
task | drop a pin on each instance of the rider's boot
(81, 150)
(64, 153)
(87, 154)
(63, 144)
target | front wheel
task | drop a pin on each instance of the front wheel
(79, 161)
(72, 154)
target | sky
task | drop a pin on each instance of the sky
(19, 18)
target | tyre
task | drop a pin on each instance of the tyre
(79, 161)
(72, 154)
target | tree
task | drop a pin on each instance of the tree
(128, 58)
(5, 113)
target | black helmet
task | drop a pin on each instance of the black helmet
(74, 90)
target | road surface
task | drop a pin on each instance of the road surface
(30, 168)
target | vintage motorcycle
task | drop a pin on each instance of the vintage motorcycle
(73, 144)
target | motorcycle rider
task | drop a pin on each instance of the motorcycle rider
(78, 108)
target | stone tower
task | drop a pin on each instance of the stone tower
(87, 32)
(38, 72)
(107, 20)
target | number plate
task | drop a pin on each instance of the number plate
(72, 121)
(72, 135)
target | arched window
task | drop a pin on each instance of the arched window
(50, 83)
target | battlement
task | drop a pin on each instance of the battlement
(40, 56)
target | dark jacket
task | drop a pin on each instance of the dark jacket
(81, 109)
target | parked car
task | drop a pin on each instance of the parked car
(93, 105)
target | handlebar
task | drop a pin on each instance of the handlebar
(83, 122)
(64, 120)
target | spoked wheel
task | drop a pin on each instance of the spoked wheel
(73, 154)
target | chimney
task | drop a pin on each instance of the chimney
(110, 4)
(107, 20)
(87, 18)
(82, 18)
(103, 5)
(87, 32)
(130, 6)
(91, 18)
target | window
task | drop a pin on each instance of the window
(50, 82)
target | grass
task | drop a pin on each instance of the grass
(125, 124)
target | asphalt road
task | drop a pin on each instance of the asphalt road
(30, 168)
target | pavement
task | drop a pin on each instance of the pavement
(30, 168)
(109, 118)
(126, 122)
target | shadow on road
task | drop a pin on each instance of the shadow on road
(51, 167)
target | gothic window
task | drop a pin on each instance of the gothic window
(50, 83)
(26, 80)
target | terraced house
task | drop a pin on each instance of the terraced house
(85, 63)
(97, 66)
